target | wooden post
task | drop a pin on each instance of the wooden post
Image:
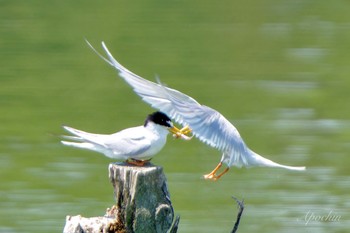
(142, 198)
(142, 203)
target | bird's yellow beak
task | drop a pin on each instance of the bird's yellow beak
(181, 133)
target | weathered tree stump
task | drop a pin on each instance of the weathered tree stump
(142, 198)
(142, 203)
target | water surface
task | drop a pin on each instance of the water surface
(278, 70)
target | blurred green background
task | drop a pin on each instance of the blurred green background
(278, 70)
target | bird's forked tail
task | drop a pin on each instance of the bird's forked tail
(257, 160)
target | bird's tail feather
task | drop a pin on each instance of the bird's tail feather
(78, 133)
(82, 136)
(257, 160)
(82, 145)
(73, 138)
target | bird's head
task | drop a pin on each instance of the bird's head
(162, 119)
(159, 118)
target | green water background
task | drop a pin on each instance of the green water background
(278, 70)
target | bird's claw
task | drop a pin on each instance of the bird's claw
(210, 176)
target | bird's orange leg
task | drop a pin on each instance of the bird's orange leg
(222, 173)
(212, 175)
(136, 162)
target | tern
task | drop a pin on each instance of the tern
(136, 145)
(207, 124)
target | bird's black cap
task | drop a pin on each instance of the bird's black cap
(158, 118)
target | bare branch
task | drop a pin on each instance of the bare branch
(239, 215)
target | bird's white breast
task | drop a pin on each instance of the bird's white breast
(157, 135)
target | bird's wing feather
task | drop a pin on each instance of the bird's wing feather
(207, 124)
(130, 147)
(150, 92)
(129, 142)
(126, 142)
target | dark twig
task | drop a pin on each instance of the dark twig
(239, 215)
(175, 225)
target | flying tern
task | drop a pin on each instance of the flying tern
(208, 125)
(136, 145)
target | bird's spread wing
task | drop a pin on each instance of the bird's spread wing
(207, 124)
(150, 92)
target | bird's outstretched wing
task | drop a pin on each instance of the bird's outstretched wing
(150, 92)
(207, 124)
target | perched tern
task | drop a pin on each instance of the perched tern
(136, 145)
(208, 125)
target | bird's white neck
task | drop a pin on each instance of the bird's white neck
(158, 129)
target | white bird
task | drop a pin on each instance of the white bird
(136, 145)
(208, 125)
